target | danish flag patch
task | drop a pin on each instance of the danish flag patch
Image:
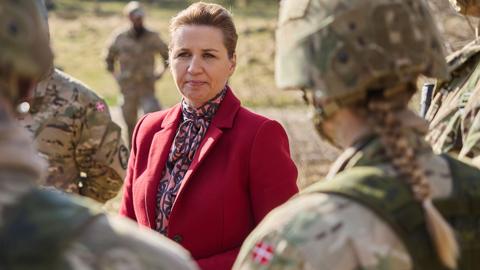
(262, 253)
(100, 106)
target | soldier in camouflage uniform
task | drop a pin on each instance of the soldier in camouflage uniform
(135, 48)
(470, 127)
(455, 103)
(387, 199)
(40, 229)
(74, 132)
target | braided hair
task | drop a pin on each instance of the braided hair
(383, 114)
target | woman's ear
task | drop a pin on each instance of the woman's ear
(233, 64)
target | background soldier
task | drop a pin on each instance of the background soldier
(135, 49)
(470, 127)
(40, 229)
(74, 132)
(380, 206)
(454, 107)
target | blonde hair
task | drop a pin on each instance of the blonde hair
(384, 117)
(208, 14)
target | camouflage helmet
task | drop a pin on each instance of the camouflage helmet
(342, 48)
(467, 7)
(25, 54)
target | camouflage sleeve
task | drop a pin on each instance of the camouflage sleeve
(471, 129)
(110, 243)
(445, 117)
(162, 49)
(111, 54)
(446, 136)
(320, 231)
(101, 154)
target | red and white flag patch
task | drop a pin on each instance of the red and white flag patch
(100, 106)
(262, 253)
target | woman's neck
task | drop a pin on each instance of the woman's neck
(348, 126)
(193, 104)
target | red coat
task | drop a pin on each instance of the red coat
(240, 172)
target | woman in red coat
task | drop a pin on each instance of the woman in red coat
(206, 171)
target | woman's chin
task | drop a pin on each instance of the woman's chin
(194, 90)
(195, 100)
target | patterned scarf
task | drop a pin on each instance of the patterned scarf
(189, 135)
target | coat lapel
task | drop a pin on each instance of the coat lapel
(158, 154)
(223, 119)
(210, 139)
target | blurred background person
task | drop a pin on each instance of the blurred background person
(41, 229)
(206, 172)
(134, 49)
(388, 201)
(74, 132)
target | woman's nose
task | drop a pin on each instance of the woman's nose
(195, 65)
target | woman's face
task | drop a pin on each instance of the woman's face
(199, 63)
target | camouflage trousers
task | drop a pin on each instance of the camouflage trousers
(137, 96)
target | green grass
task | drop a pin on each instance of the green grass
(81, 29)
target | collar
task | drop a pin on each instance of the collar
(206, 111)
(41, 87)
(224, 117)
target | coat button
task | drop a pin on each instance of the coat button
(177, 238)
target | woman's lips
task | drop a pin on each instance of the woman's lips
(196, 83)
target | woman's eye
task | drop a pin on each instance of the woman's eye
(182, 55)
(209, 55)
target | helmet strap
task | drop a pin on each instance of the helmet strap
(320, 115)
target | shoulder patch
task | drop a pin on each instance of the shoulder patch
(262, 253)
(100, 106)
(291, 10)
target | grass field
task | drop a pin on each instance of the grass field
(81, 29)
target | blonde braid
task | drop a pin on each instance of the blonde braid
(401, 153)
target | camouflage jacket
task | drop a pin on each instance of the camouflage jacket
(471, 125)
(41, 230)
(448, 110)
(328, 231)
(74, 132)
(136, 56)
